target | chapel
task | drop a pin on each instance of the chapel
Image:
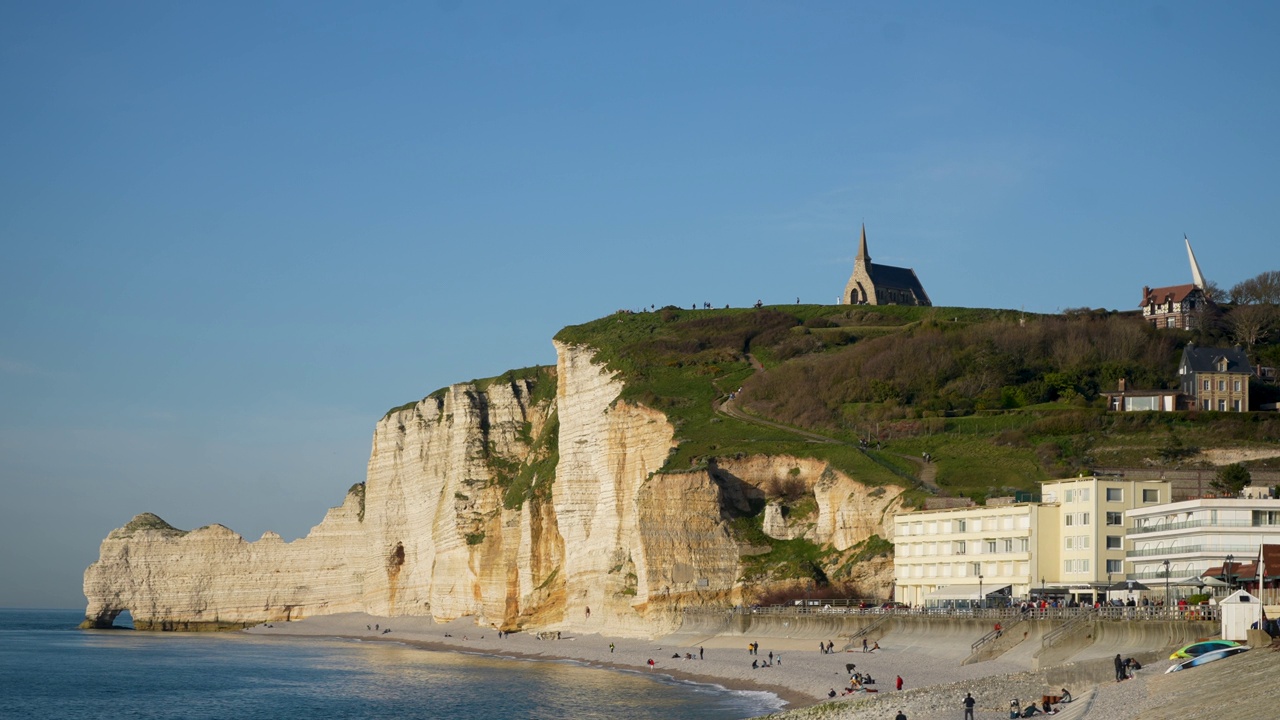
(874, 284)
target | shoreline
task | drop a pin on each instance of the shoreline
(800, 676)
(460, 636)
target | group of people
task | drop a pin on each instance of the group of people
(1031, 709)
(1125, 668)
(872, 648)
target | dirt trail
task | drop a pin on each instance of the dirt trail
(926, 472)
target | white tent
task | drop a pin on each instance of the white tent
(1240, 611)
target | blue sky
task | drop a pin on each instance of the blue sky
(233, 234)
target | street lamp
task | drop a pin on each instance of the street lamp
(1107, 595)
(982, 599)
(1041, 587)
(1166, 584)
(1226, 570)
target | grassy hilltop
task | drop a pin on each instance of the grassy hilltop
(999, 398)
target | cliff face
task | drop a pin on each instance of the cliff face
(489, 502)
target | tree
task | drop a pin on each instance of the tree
(1251, 324)
(1262, 289)
(1231, 479)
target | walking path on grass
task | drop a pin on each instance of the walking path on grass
(926, 473)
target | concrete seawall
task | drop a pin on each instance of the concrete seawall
(952, 638)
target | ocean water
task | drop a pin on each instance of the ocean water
(49, 669)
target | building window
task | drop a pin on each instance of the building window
(1150, 496)
(960, 527)
(1266, 517)
(1169, 322)
(1205, 385)
(1235, 405)
(1115, 542)
(1235, 385)
(1204, 404)
(1071, 496)
(1083, 519)
(1222, 405)
(1084, 495)
(1222, 385)
(1115, 495)
(1023, 545)
(1069, 519)
(1115, 518)
(977, 569)
(959, 547)
(991, 547)
(1008, 545)
(1115, 566)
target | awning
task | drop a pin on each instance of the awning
(968, 592)
(1133, 585)
(1212, 582)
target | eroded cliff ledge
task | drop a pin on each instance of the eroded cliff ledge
(502, 501)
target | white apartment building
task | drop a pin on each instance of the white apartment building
(964, 553)
(1070, 541)
(1195, 535)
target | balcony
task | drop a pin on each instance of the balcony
(1213, 549)
(1192, 524)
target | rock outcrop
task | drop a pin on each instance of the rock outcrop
(499, 501)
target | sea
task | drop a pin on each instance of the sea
(50, 669)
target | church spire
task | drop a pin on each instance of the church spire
(863, 255)
(1196, 277)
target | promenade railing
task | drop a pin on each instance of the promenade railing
(1106, 612)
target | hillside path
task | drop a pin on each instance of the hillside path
(926, 471)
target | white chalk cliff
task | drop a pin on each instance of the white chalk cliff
(498, 502)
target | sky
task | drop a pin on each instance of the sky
(232, 235)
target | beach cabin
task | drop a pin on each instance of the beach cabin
(1240, 610)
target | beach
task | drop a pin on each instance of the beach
(799, 673)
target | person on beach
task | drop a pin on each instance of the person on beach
(1015, 709)
(899, 682)
(611, 647)
(900, 716)
(1119, 668)
(864, 644)
(755, 664)
(650, 663)
(699, 652)
(832, 693)
(1066, 695)
(968, 706)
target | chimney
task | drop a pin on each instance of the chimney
(1121, 384)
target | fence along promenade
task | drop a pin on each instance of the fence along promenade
(1106, 612)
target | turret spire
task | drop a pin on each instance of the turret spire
(1196, 277)
(863, 255)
